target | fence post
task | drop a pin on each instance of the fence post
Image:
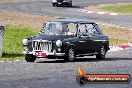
(2, 28)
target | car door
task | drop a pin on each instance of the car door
(94, 37)
(83, 41)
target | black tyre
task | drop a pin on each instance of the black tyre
(70, 5)
(102, 53)
(57, 5)
(70, 55)
(53, 4)
(30, 58)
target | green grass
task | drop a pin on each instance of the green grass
(117, 35)
(115, 41)
(13, 41)
(123, 8)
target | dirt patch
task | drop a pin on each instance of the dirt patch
(92, 8)
(12, 1)
(118, 35)
(28, 20)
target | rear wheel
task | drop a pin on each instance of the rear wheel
(30, 58)
(70, 5)
(70, 55)
(102, 53)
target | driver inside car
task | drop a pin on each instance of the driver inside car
(65, 28)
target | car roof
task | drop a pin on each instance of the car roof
(71, 21)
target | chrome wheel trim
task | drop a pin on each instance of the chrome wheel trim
(71, 54)
(102, 51)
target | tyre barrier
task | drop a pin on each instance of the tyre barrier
(2, 28)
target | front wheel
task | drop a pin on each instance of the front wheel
(53, 4)
(30, 58)
(70, 55)
(102, 53)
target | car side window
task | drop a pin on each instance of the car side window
(69, 28)
(72, 27)
(91, 29)
(82, 29)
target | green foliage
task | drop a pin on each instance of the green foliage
(13, 37)
(118, 8)
(114, 41)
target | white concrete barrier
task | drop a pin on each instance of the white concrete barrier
(2, 28)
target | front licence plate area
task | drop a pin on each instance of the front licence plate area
(59, 3)
(40, 54)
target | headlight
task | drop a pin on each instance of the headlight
(25, 41)
(54, 1)
(59, 43)
(26, 48)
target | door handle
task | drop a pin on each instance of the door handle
(82, 41)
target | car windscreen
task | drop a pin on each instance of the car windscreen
(59, 28)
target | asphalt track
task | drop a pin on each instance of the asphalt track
(56, 73)
(44, 7)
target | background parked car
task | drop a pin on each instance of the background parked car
(62, 2)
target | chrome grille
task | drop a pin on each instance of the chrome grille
(41, 45)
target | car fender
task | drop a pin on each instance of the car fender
(68, 45)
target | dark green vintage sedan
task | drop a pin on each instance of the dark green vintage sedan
(67, 39)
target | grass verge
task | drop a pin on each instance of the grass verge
(23, 19)
(117, 35)
(13, 42)
(18, 27)
(121, 8)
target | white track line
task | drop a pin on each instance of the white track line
(90, 11)
(101, 13)
(84, 11)
(17, 60)
(114, 14)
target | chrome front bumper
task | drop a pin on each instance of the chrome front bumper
(47, 53)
